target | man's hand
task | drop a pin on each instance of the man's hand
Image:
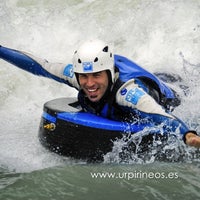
(192, 140)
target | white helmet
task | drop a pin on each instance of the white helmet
(93, 56)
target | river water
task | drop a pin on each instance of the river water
(160, 35)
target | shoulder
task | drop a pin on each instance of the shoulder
(129, 93)
(132, 95)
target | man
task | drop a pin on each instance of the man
(110, 85)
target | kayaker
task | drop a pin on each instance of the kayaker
(108, 88)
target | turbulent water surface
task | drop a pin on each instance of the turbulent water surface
(162, 36)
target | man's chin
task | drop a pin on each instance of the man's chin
(94, 98)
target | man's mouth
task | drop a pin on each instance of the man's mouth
(92, 90)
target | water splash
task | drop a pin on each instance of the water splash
(53, 29)
(146, 147)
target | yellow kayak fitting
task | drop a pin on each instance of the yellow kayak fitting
(50, 126)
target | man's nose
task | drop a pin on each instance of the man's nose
(90, 81)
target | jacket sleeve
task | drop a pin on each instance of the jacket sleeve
(134, 97)
(57, 71)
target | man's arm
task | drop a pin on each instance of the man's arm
(133, 96)
(57, 71)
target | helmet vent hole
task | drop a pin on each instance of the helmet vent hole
(96, 59)
(79, 60)
(105, 49)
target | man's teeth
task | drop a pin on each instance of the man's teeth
(92, 90)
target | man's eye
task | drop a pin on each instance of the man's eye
(97, 74)
(82, 75)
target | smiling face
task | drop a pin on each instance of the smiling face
(94, 84)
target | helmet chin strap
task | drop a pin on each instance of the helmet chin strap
(76, 74)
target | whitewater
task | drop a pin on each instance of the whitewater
(161, 36)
